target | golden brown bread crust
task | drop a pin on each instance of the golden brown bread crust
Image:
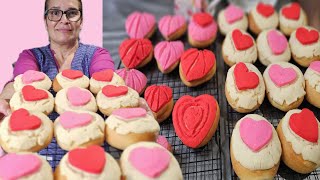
(253, 25)
(120, 141)
(164, 112)
(245, 173)
(312, 95)
(285, 107)
(290, 158)
(232, 103)
(201, 44)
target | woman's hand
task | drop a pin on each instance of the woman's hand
(4, 108)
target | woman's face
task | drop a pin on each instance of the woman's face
(63, 31)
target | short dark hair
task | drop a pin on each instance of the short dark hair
(47, 2)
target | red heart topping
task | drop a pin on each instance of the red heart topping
(203, 19)
(134, 51)
(30, 93)
(292, 11)
(305, 125)
(193, 118)
(105, 75)
(196, 63)
(265, 9)
(245, 79)
(157, 96)
(114, 91)
(21, 120)
(91, 159)
(241, 41)
(72, 74)
(306, 36)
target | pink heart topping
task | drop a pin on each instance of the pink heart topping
(78, 97)
(16, 166)
(128, 114)
(277, 42)
(233, 13)
(71, 120)
(31, 76)
(255, 134)
(315, 65)
(151, 162)
(282, 76)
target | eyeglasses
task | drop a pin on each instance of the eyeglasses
(56, 14)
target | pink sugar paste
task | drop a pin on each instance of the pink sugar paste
(168, 53)
(70, 119)
(282, 76)
(133, 78)
(255, 134)
(200, 33)
(129, 113)
(315, 65)
(277, 42)
(169, 24)
(16, 166)
(151, 162)
(78, 96)
(139, 24)
(31, 76)
(233, 13)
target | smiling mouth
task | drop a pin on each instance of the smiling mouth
(64, 30)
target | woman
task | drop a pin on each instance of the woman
(63, 20)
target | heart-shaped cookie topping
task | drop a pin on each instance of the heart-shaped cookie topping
(277, 42)
(233, 13)
(134, 51)
(315, 65)
(193, 118)
(171, 24)
(306, 36)
(114, 91)
(78, 96)
(31, 76)
(158, 96)
(30, 93)
(17, 166)
(292, 11)
(69, 119)
(105, 75)
(196, 64)
(241, 40)
(151, 162)
(168, 53)
(139, 24)
(265, 10)
(128, 114)
(255, 134)
(282, 76)
(202, 19)
(91, 159)
(305, 125)
(244, 78)
(21, 120)
(72, 74)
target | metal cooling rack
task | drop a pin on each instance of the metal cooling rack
(213, 160)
